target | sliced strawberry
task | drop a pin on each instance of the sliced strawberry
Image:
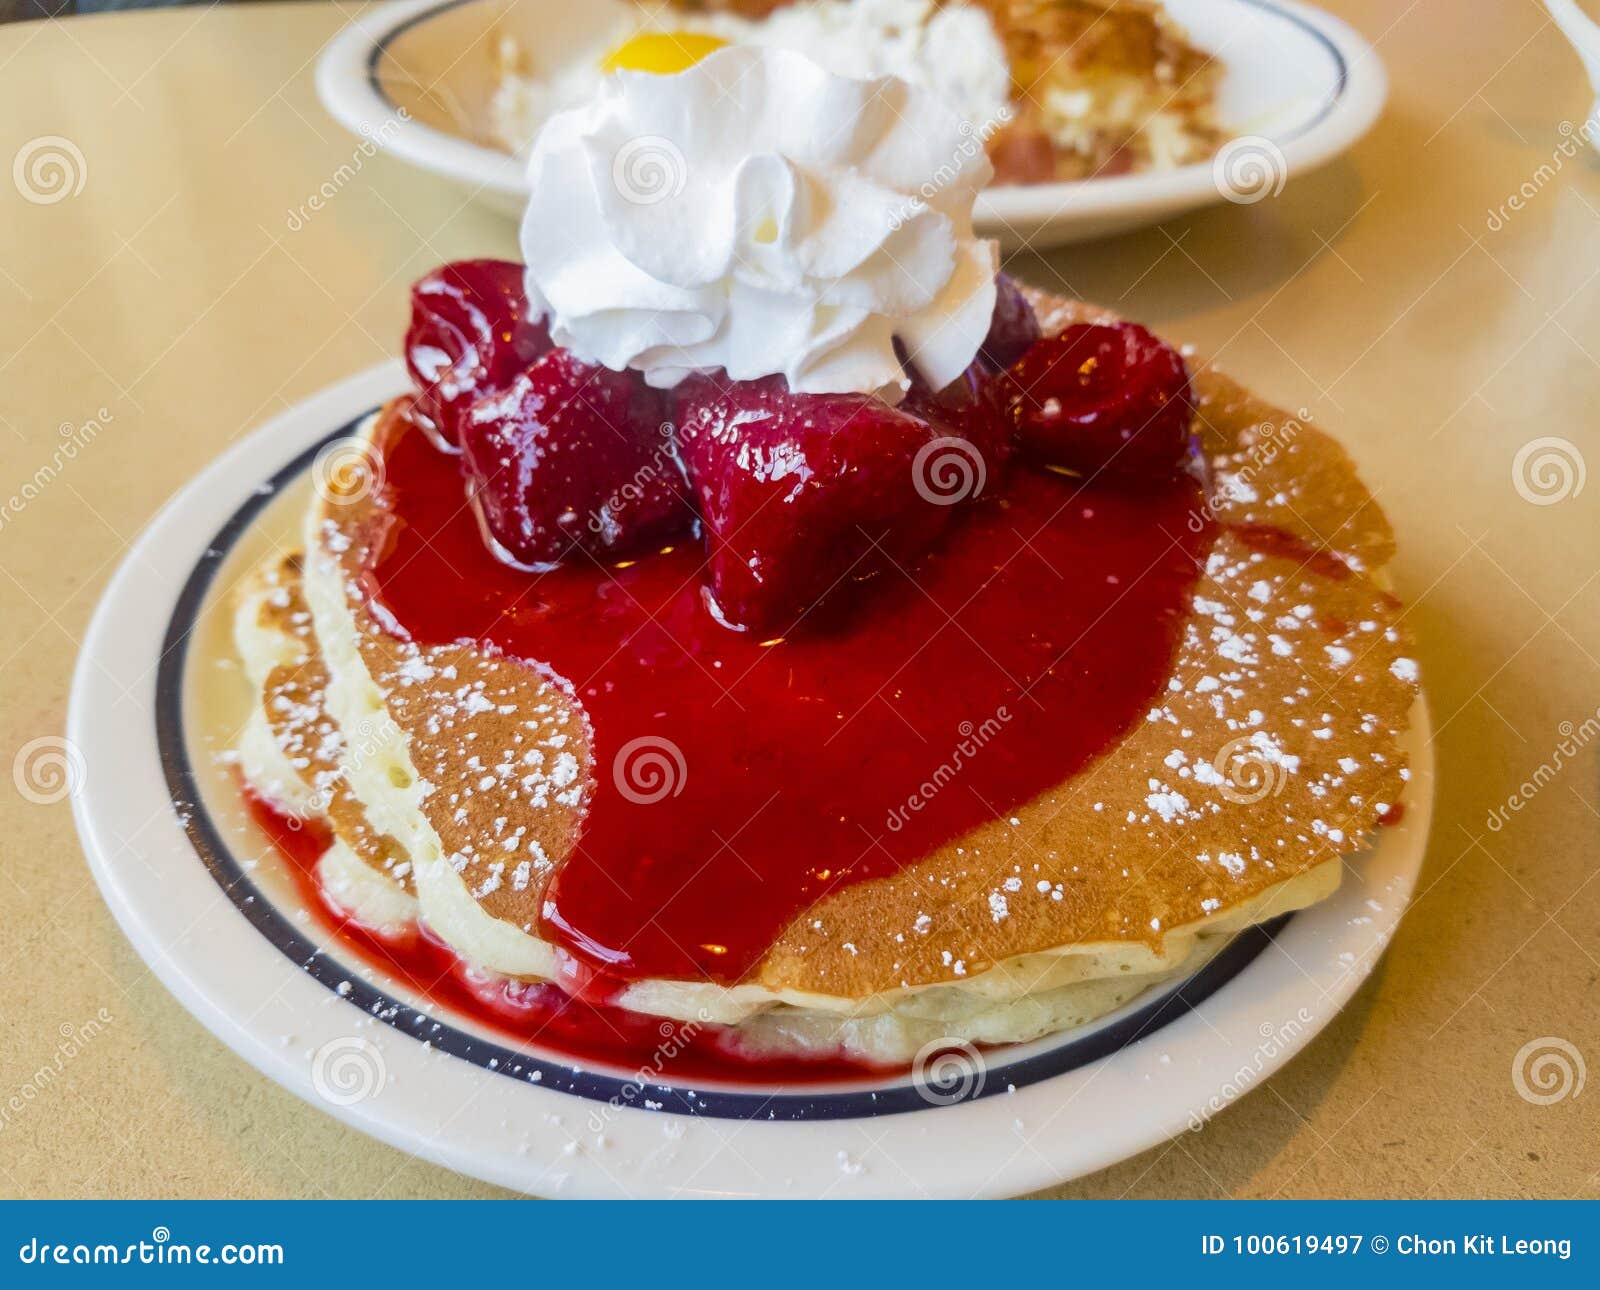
(571, 457)
(804, 495)
(469, 336)
(1102, 398)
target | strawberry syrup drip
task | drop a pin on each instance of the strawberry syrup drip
(1272, 541)
(533, 1016)
(1391, 815)
(1020, 649)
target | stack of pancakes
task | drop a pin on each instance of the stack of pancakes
(454, 779)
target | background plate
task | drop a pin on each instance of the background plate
(1299, 87)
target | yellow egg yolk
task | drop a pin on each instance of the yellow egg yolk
(660, 52)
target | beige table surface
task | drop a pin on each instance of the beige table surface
(170, 302)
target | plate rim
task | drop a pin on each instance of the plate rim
(350, 91)
(116, 786)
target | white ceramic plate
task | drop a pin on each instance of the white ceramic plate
(1300, 87)
(203, 897)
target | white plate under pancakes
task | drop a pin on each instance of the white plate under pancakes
(1299, 87)
(197, 888)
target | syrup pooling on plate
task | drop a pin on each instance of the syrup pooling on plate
(532, 1012)
(736, 780)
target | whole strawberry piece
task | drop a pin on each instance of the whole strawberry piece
(1096, 398)
(570, 457)
(803, 496)
(469, 335)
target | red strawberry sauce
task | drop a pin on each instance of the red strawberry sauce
(534, 1016)
(1040, 628)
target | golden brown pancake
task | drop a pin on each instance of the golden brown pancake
(292, 699)
(1271, 756)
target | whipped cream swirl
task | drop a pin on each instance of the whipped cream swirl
(760, 214)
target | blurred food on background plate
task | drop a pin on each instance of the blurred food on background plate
(1055, 89)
